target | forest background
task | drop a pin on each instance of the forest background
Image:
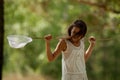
(36, 18)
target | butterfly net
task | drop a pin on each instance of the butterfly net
(18, 41)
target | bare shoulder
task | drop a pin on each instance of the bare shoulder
(62, 44)
(62, 41)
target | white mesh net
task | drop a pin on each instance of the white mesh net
(18, 41)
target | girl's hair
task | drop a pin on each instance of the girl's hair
(80, 24)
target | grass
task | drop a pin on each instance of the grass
(25, 77)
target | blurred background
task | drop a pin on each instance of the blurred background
(36, 18)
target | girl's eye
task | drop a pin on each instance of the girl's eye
(74, 32)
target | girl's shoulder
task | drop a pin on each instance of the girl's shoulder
(63, 43)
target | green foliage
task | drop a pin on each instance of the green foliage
(37, 18)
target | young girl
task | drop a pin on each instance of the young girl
(72, 49)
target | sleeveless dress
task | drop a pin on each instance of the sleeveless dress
(73, 63)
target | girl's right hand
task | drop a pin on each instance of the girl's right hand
(48, 37)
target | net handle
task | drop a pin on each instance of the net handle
(54, 37)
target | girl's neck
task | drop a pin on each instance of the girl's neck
(75, 43)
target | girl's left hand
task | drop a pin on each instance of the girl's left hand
(92, 39)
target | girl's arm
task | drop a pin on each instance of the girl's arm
(59, 48)
(90, 48)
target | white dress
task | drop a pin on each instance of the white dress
(73, 63)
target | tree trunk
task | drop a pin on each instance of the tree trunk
(1, 36)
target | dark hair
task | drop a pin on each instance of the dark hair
(80, 24)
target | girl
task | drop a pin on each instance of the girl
(72, 49)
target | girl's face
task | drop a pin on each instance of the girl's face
(75, 37)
